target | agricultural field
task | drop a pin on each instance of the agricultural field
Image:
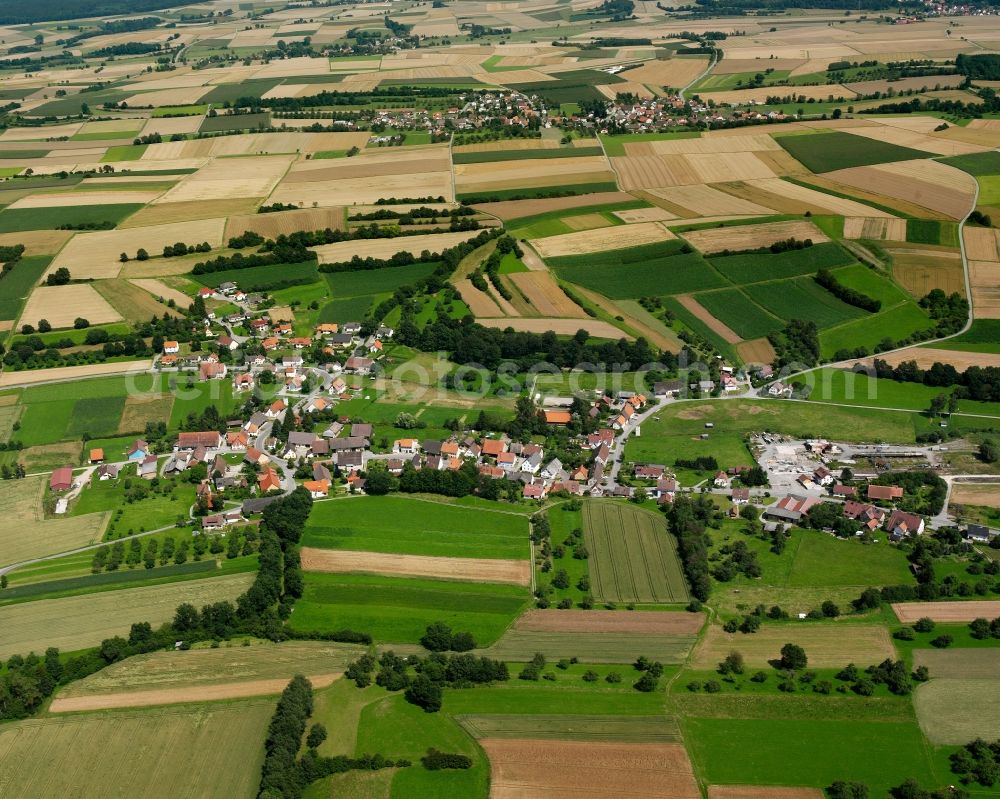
(398, 609)
(28, 534)
(81, 621)
(632, 557)
(81, 752)
(839, 150)
(415, 527)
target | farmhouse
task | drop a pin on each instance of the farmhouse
(138, 451)
(317, 488)
(358, 365)
(171, 347)
(108, 471)
(212, 370)
(884, 492)
(190, 441)
(790, 508)
(867, 515)
(268, 481)
(62, 479)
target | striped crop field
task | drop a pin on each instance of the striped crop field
(632, 556)
(639, 729)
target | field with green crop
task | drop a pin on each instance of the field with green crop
(262, 278)
(632, 557)
(398, 610)
(225, 122)
(932, 231)
(407, 526)
(873, 284)
(645, 268)
(871, 330)
(976, 164)
(854, 388)
(741, 314)
(523, 155)
(574, 728)
(377, 281)
(804, 298)
(758, 267)
(983, 336)
(825, 152)
(14, 220)
(521, 646)
(171, 752)
(18, 282)
(95, 416)
(526, 193)
(615, 145)
(808, 752)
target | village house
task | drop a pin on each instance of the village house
(406, 446)
(268, 480)
(96, 456)
(276, 409)
(317, 489)
(840, 490)
(147, 468)
(243, 381)
(649, 471)
(665, 489)
(350, 460)
(902, 524)
(138, 451)
(226, 342)
(220, 521)
(327, 329)
(790, 508)
(667, 388)
(740, 496)
(171, 347)
(721, 480)
(212, 370)
(108, 471)
(868, 516)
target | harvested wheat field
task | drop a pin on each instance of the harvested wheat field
(919, 271)
(926, 357)
(752, 237)
(696, 308)
(917, 141)
(77, 198)
(672, 72)
(987, 494)
(386, 248)
(828, 646)
(515, 572)
(27, 534)
(561, 327)
(37, 242)
(762, 792)
(709, 201)
(609, 621)
(508, 145)
(480, 303)
(980, 243)
(984, 277)
(274, 224)
(516, 209)
(363, 190)
(908, 612)
(531, 173)
(192, 211)
(173, 696)
(644, 215)
(588, 241)
(76, 622)
(96, 255)
(230, 179)
(879, 228)
(707, 145)
(759, 350)
(58, 373)
(926, 183)
(790, 198)
(62, 305)
(133, 303)
(654, 171)
(545, 294)
(159, 289)
(168, 126)
(547, 769)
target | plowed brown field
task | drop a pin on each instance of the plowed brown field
(517, 572)
(947, 611)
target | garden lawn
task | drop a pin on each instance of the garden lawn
(826, 152)
(398, 610)
(808, 753)
(402, 525)
(821, 559)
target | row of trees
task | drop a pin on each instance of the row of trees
(980, 383)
